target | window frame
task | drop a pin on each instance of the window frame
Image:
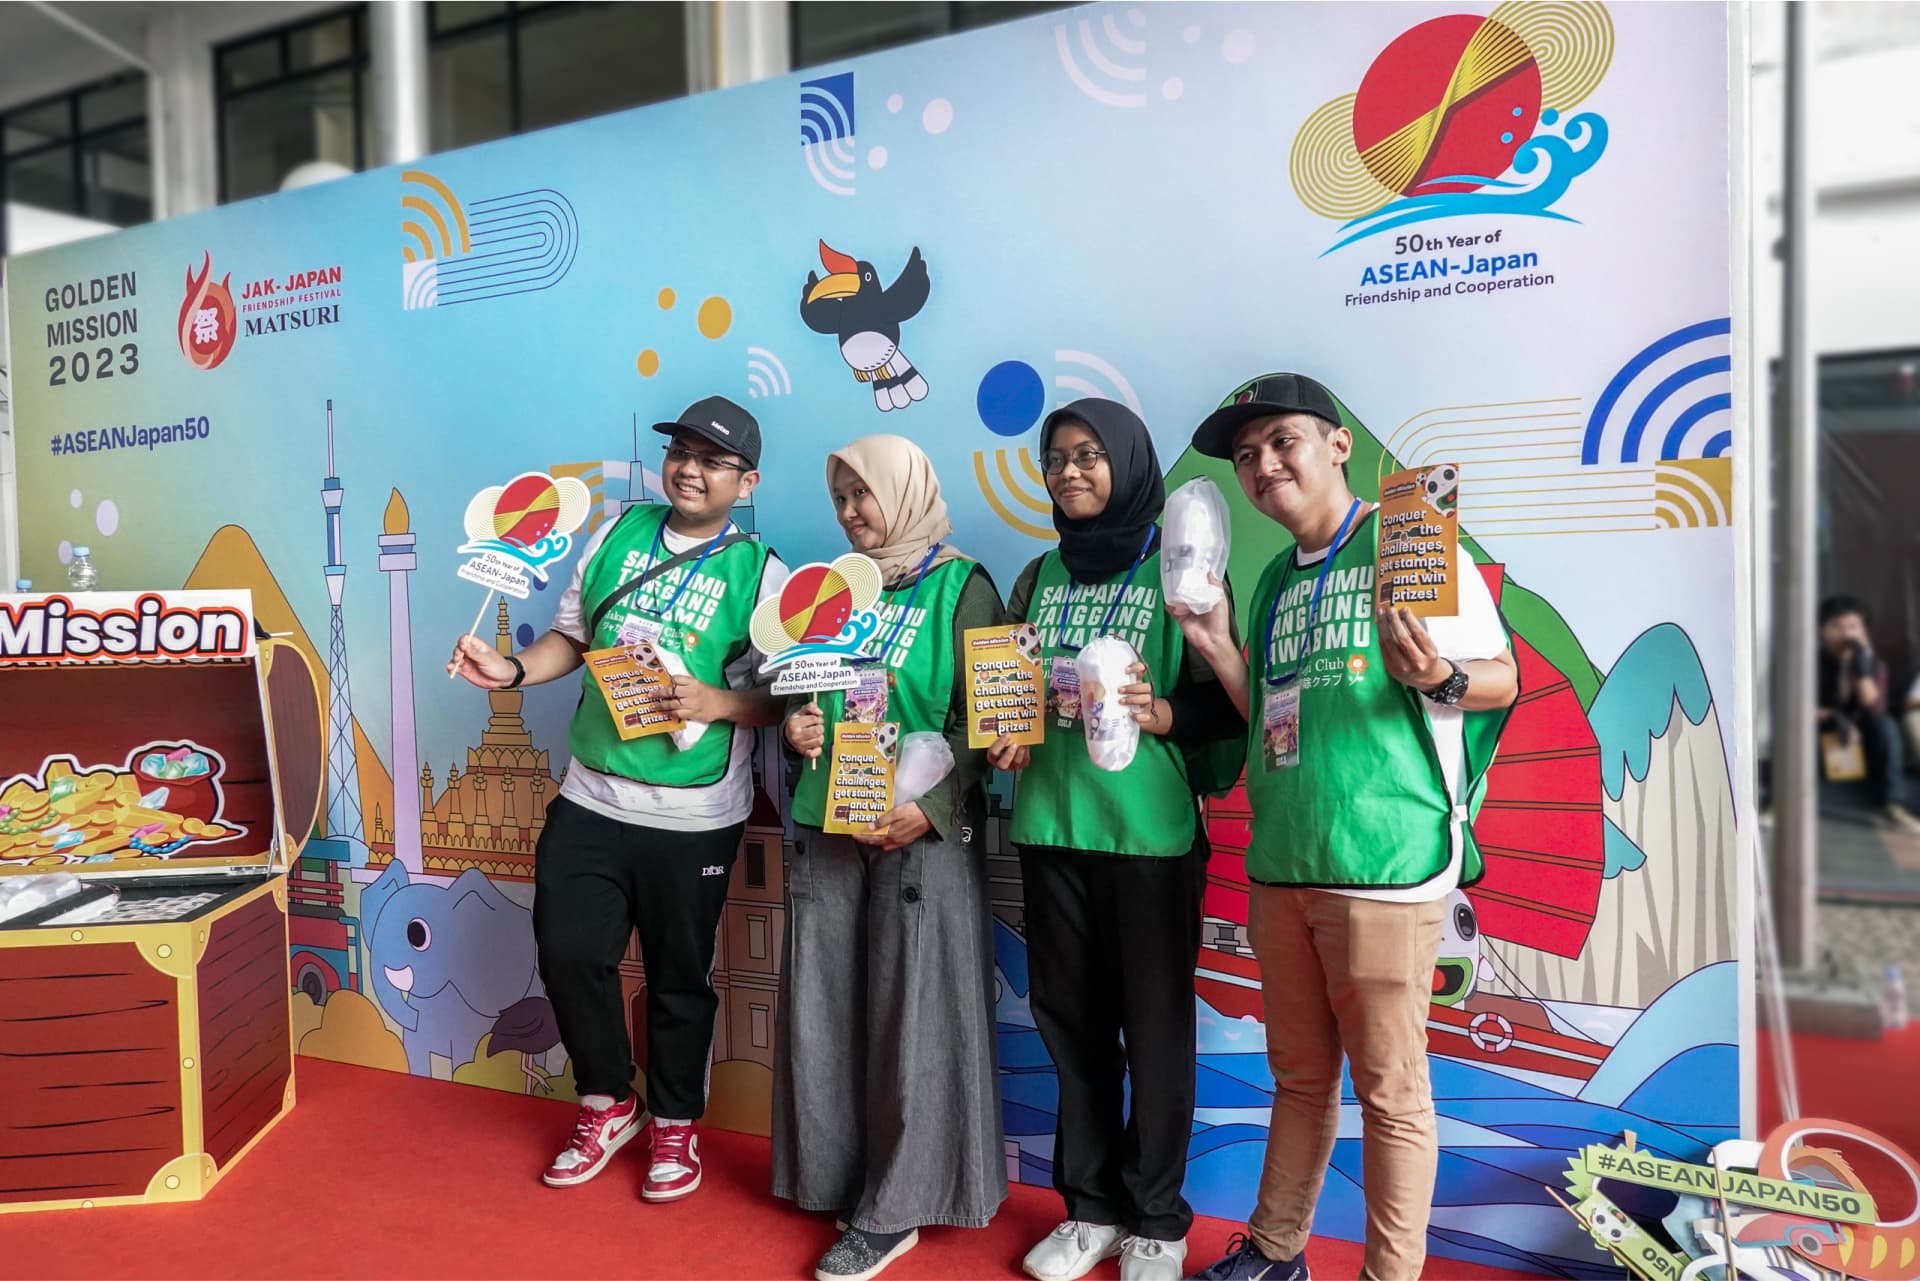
(76, 139)
(357, 61)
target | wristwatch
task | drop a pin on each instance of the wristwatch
(520, 673)
(1450, 691)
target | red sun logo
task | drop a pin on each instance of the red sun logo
(208, 321)
(1453, 96)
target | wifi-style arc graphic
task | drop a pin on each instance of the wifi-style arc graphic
(1693, 493)
(1673, 399)
(827, 132)
(1021, 490)
(432, 223)
(766, 375)
(1103, 61)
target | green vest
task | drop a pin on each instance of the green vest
(1367, 806)
(919, 665)
(705, 624)
(1066, 801)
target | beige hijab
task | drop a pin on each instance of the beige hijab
(902, 481)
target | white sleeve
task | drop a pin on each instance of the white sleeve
(1474, 632)
(569, 619)
(743, 672)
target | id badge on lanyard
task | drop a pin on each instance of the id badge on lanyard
(1063, 692)
(637, 629)
(1280, 711)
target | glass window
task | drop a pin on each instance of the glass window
(115, 177)
(583, 60)
(271, 131)
(45, 179)
(321, 44)
(471, 76)
(114, 103)
(254, 63)
(452, 15)
(757, 865)
(830, 30)
(43, 122)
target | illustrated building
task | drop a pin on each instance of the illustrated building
(397, 562)
(490, 815)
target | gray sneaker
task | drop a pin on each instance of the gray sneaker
(1071, 1250)
(859, 1257)
(1144, 1259)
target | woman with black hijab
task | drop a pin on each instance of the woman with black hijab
(1114, 863)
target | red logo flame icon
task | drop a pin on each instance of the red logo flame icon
(208, 321)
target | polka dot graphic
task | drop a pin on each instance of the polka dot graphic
(648, 364)
(66, 552)
(877, 158)
(524, 634)
(716, 317)
(666, 300)
(1237, 47)
(1191, 35)
(106, 517)
(1173, 88)
(74, 499)
(1011, 397)
(895, 102)
(938, 116)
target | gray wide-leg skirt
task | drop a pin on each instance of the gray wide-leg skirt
(885, 1100)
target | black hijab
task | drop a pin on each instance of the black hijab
(1095, 550)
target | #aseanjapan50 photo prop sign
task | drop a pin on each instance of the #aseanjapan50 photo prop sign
(1498, 233)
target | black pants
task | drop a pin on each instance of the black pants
(1111, 945)
(596, 880)
(1886, 756)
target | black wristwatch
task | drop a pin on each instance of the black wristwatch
(1450, 691)
(519, 672)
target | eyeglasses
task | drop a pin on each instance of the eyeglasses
(682, 456)
(1082, 458)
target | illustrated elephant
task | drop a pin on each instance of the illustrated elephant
(445, 960)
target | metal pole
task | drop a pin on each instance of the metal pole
(1796, 602)
(397, 34)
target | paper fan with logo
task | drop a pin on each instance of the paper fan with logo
(818, 604)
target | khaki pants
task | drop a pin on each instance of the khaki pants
(1350, 974)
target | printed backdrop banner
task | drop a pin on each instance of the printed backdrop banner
(1501, 237)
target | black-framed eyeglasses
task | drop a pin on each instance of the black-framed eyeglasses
(1083, 459)
(681, 455)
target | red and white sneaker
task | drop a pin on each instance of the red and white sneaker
(676, 1162)
(597, 1134)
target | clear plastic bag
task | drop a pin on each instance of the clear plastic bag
(1113, 736)
(1195, 539)
(925, 759)
(22, 894)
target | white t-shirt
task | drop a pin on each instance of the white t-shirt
(1475, 632)
(679, 809)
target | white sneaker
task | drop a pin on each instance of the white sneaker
(1071, 1250)
(1143, 1259)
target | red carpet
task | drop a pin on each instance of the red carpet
(380, 1175)
(1869, 1083)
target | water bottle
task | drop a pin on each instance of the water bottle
(80, 572)
(23, 586)
(1893, 997)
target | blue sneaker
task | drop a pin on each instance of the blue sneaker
(1244, 1262)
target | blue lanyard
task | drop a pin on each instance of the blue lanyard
(1313, 607)
(912, 596)
(653, 558)
(1112, 605)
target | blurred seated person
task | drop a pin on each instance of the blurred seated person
(1913, 716)
(1853, 705)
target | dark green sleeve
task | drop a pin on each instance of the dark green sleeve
(1022, 595)
(978, 606)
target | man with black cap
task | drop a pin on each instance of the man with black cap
(1370, 731)
(644, 832)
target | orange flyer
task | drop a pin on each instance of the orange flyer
(633, 681)
(1003, 684)
(860, 783)
(1420, 540)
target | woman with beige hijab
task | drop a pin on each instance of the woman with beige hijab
(885, 1108)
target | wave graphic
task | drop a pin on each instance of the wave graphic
(536, 556)
(1559, 158)
(849, 643)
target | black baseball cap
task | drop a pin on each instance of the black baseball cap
(719, 420)
(1263, 397)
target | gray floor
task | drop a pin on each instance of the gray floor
(1861, 859)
